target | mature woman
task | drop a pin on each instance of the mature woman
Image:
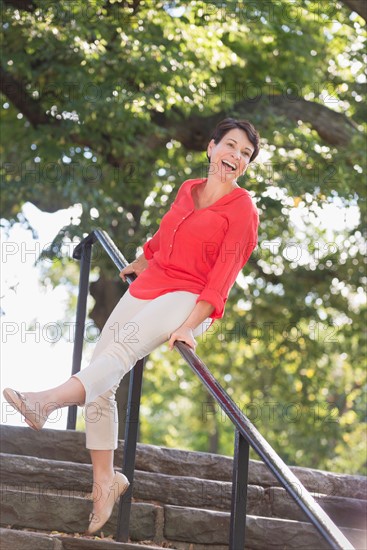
(183, 280)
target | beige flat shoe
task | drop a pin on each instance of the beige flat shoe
(119, 486)
(18, 400)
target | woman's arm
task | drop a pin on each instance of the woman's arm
(201, 311)
(233, 253)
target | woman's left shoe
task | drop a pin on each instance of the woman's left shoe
(119, 486)
(34, 417)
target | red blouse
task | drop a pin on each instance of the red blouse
(199, 250)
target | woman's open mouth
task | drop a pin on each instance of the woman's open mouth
(228, 166)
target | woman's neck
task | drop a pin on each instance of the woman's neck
(216, 185)
(210, 191)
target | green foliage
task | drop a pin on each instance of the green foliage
(106, 90)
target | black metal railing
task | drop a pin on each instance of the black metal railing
(246, 434)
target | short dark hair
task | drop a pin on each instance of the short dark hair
(230, 124)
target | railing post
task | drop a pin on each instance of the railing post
(239, 493)
(131, 437)
(85, 260)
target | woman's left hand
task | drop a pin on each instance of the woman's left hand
(137, 266)
(184, 334)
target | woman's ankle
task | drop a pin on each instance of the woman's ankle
(103, 478)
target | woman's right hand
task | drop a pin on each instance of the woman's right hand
(136, 267)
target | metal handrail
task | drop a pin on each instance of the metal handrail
(318, 517)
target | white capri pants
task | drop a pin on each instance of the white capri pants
(133, 330)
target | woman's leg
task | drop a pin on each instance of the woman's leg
(43, 403)
(150, 322)
(101, 417)
(151, 325)
(134, 329)
(101, 421)
(103, 474)
(122, 313)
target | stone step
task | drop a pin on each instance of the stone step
(12, 539)
(68, 445)
(41, 475)
(68, 512)
(168, 526)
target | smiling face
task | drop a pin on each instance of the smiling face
(230, 157)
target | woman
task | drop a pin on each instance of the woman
(183, 280)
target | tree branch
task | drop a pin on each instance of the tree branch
(24, 5)
(32, 109)
(334, 128)
(16, 92)
(359, 6)
(135, 6)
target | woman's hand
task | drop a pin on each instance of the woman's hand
(137, 266)
(201, 311)
(184, 334)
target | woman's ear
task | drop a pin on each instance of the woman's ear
(209, 149)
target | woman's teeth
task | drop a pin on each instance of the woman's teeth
(226, 163)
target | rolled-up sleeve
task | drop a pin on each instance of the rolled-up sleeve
(235, 250)
(151, 246)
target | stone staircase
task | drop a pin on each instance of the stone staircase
(181, 499)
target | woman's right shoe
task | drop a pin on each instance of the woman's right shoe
(18, 400)
(119, 486)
